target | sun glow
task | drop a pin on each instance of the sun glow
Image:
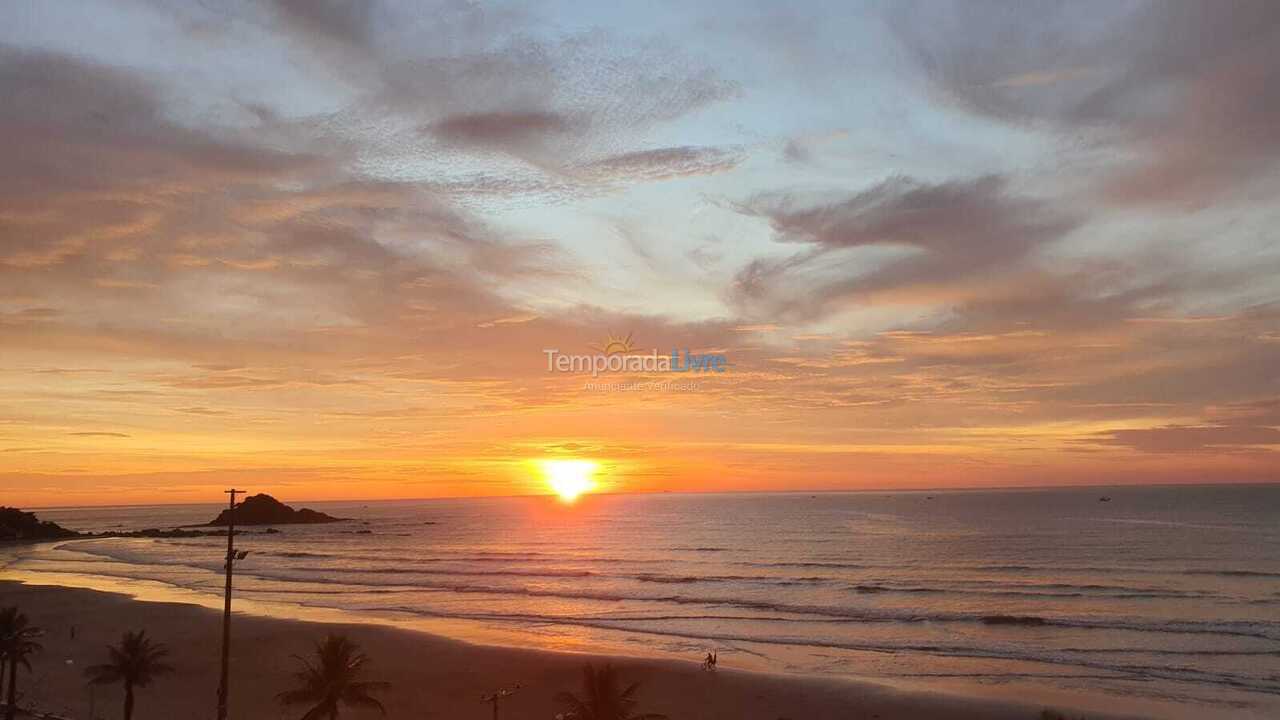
(569, 478)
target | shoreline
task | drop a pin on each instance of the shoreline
(433, 674)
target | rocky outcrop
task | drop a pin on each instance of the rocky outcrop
(24, 526)
(266, 510)
(17, 526)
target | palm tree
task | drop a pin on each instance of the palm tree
(17, 643)
(603, 698)
(333, 680)
(6, 620)
(135, 662)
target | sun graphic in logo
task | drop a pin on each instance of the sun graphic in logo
(616, 345)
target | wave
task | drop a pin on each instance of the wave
(831, 565)
(1024, 620)
(1234, 573)
(669, 579)
(797, 611)
(403, 571)
(794, 614)
(1113, 569)
(1015, 568)
(1047, 590)
(835, 614)
(113, 550)
(1087, 659)
(433, 575)
(1067, 590)
(400, 572)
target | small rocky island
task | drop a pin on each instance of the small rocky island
(266, 510)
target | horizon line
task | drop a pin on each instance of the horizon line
(828, 491)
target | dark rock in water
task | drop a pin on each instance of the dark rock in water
(158, 533)
(266, 510)
(172, 533)
(1104, 498)
(24, 526)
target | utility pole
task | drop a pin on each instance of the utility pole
(226, 606)
(494, 698)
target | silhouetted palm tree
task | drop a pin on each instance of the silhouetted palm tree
(17, 643)
(603, 698)
(6, 619)
(333, 680)
(135, 662)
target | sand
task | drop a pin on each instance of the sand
(432, 677)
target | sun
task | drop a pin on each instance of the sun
(569, 478)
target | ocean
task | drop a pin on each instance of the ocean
(1165, 598)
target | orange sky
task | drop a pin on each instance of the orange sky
(321, 254)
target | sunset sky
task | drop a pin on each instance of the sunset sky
(319, 252)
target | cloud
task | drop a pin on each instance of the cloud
(200, 410)
(941, 234)
(1037, 79)
(1264, 411)
(499, 129)
(77, 125)
(99, 434)
(494, 79)
(512, 320)
(349, 24)
(1186, 93)
(114, 209)
(802, 148)
(660, 164)
(1193, 439)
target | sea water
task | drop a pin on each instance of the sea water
(1167, 598)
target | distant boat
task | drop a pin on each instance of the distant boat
(1105, 498)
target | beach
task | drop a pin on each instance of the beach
(431, 677)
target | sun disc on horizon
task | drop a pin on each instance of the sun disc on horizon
(569, 478)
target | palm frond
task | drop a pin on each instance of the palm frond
(603, 698)
(333, 679)
(135, 661)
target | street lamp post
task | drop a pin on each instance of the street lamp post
(494, 698)
(226, 606)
